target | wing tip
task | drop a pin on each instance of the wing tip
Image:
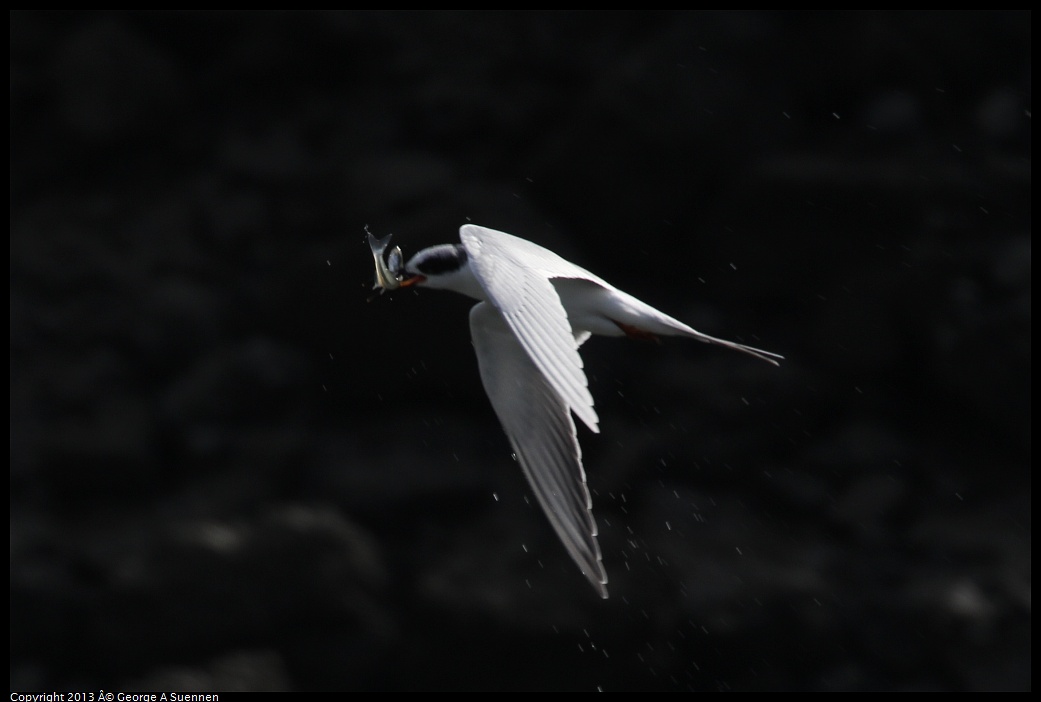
(597, 577)
(599, 580)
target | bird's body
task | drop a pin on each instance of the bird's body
(535, 310)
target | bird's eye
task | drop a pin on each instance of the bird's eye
(441, 260)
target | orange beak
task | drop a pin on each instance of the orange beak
(414, 280)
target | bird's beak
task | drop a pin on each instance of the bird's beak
(414, 280)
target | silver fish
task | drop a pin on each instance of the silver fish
(394, 261)
(388, 274)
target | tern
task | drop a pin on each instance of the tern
(534, 312)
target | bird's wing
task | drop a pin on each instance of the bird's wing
(542, 433)
(516, 274)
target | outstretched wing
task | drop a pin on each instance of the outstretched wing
(516, 275)
(539, 426)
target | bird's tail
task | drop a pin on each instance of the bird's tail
(767, 356)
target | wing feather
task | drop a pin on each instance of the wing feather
(516, 275)
(541, 431)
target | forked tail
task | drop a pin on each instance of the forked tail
(767, 356)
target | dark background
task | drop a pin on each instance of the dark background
(229, 471)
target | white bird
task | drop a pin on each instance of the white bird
(535, 310)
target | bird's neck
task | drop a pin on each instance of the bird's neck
(462, 281)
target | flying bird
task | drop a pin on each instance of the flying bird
(534, 312)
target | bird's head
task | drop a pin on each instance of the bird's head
(443, 267)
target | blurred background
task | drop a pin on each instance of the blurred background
(229, 471)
